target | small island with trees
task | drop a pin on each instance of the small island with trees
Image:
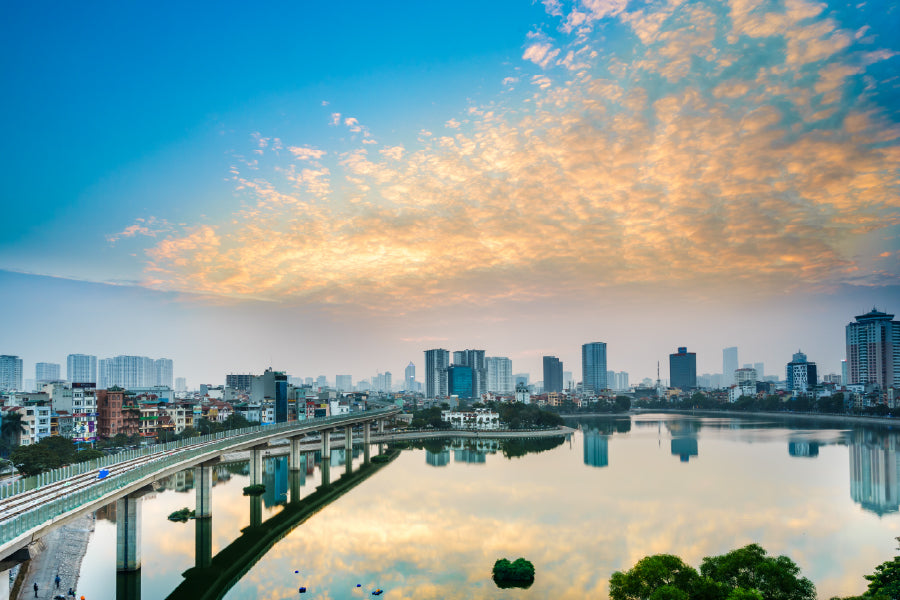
(519, 573)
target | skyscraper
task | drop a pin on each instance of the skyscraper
(729, 364)
(436, 363)
(10, 372)
(81, 368)
(343, 383)
(553, 374)
(593, 368)
(239, 381)
(459, 381)
(163, 372)
(760, 370)
(409, 377)
(45, 373)
(873, 350)
(499, 375)
(683, 369)
(801, 374)
(474, 359)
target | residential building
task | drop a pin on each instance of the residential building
(593, 368)
(729, 365)
(801, 374)
(126, 371)
(499, 375)
(683, 369)
(436, 363)
(110, 421)
(81, 368)
(873, 350)
(760, 370)
(10, 373)
(163, 373)
(45, 373)
(553, 374)
(745, 375)
(180, 385)
(343, 383)
(240, 382)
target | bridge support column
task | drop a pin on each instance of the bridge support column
(367, 436)
(296, 479)
(203, 542)
(4, 584)
(128, 585)
(128, 534)
(203, 486)
(326, 446)
(348, 447)
(380, 425)
(295, 459)
(255, 511)
(256, 465)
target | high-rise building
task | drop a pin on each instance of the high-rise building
(553, 374)
(760, 370)
(499, 375)
(593, 368)
(683, 369)
(45, 373)
(10, 372)
(343, 383)
(127, 372)
(801, 374)
(522, 379)
(873, 350)
(474, 359)
(746, 376)
(436, 363)
(729, 364)
(163, 372)
(239, 381)
(180, 384)
(844, 372)
(81, 368)
(409, 377)
(459, 381)
(321, 382)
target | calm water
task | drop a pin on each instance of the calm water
(432, 523)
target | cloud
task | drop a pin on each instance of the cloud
(743, 149)
(149, 227)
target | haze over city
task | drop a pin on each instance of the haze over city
(335, 189)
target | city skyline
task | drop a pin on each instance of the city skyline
(519, 177)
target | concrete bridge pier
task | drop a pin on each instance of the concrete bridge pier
(295, 459)
(256, 464)
(128, 533)
(128, 585)
(255, 511)
(203, 542)
(203, 487)
(296, 479)
(326, 445)
(367, 436)
(348, 447)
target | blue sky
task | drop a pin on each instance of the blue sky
(522, 177)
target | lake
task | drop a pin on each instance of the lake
(431, 523)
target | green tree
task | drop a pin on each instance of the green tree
(750, 568)
(34, 459)
(87, 454)
(885, 581)
(12, 428)
(652, 573)
(622, 404)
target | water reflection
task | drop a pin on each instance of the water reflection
(875, 471)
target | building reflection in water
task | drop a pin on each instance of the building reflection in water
(596, 448)
(684, 448)
(275, 478)
(684, 438)
(437, 459)
(803, 448)
(875, 471)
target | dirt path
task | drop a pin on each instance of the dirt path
(63, 550)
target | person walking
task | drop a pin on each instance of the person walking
(35, 589)
(57, 580)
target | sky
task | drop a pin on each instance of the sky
(331, 189)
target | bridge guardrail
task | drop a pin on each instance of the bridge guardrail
(21, 523)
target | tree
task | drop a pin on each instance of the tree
(623, 404)
(34, 459)
(12, 428)
(649, 575)
(885, 581)
(776, 578)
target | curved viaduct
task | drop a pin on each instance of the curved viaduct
(68, 492)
